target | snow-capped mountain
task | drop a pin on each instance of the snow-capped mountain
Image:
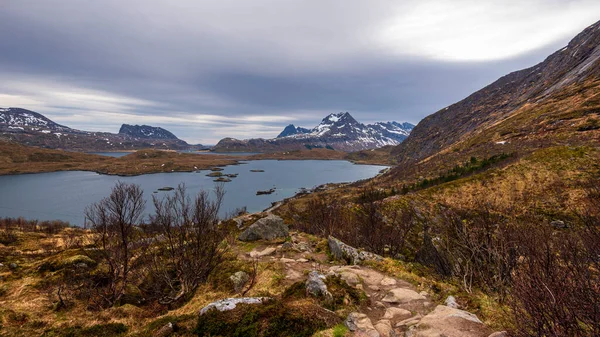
(32, 128)
(146, 131)
(339, 131)
(17, 118)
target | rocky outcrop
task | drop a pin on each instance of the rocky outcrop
(230, 303)
(351, 255)
(268, 228)
(315, 286)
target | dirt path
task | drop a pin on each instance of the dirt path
(394, 307)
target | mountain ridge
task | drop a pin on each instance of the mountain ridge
(339, 131)
(560, 76)
(34, 129)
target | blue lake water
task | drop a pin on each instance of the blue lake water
(65, 195)
(112, 154)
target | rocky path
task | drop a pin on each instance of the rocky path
(394, 307)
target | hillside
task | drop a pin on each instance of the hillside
(555, 102)
(338, 131)
(34, 129)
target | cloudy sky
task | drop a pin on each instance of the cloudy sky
(212, 69)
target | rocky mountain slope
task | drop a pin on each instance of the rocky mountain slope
(146, 132)
(292, 130)
(31, 128)
(555, 102)
(338, 131)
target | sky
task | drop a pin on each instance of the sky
(206, 70)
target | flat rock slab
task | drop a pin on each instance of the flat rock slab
(393, 313)
(450, 322)
(369, 276)
(402, 295)
(265, 252)
(230, 303)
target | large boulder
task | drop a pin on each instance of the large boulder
(268, 228)
(351, 255)
(315, 286)
(450, 322)
(230, 303)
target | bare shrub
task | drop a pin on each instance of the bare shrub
(114, 220)
(556, 287)
(189, 245)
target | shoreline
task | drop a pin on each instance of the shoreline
(149, 161)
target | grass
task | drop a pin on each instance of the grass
(340, 330)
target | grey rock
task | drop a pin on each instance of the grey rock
(344, 252)
(315, 286)
(287, 246)
(451, 302)
(559, 224)
(230, 303)
(239, 280)
(12, 265)
(268, 228)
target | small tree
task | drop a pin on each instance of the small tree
(189, 247)
(114, 219)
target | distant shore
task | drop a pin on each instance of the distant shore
(20, 159)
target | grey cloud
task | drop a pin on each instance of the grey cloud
(175, 63)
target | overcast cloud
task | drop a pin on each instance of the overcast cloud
(212, 69)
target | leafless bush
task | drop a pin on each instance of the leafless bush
(114, 220)
(480, 247)
(189, 246)
(370, 225)
(556, 287)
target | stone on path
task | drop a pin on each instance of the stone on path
(402, 295)
(396, 313)
(360, 322)
(450, 322)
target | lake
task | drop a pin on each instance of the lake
(65, 195)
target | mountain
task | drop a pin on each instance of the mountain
(31, 128)
(556, 102)
(17, 118)
(339, 131)
(292, 130)
(146, 132)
